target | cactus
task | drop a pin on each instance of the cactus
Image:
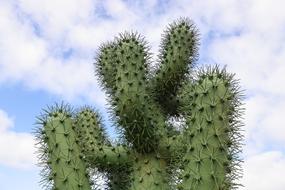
(153, 153)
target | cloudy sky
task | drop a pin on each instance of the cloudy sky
(47, 49)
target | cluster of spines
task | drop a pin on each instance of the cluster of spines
(212, 108)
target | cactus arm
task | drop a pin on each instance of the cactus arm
(98, 151)
(177, 55)
(115, 162)
(108, 156)
(93, 141)
(67, 169)
(135, 112)
(211, 161)
(132, 96)
(106, 66)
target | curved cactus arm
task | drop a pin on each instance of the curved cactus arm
(89, 130)
(64, 165)
(91, 136)
(107, 156)
(98, 151)
(136, 114)
(177, 55)
(213, 131)
(114, 162)
(106, 66)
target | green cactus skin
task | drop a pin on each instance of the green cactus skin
(92, 139)
(211, 159)
(61, 151)
(134, 110)
(177, 56)
(152, 153)
(149, 173)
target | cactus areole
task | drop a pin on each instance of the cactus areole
(198, 151)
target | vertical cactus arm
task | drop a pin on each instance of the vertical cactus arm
(106, 66)
(64, 166)
(89, 129)
(213, 132)
(136, 115)
(177, 56)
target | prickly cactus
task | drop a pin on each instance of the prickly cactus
(178, 125)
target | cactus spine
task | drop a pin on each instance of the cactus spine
(152, 154)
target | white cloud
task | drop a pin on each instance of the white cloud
(33, 61)
(57, 17)
(16, 149)
(118, 10)
(264, 171)
(264, 123)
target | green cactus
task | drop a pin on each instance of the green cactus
(65, 167)
(153, 153)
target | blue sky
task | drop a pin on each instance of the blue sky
(47, 49)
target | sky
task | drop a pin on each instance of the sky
(47, 49)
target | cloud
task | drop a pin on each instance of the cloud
(264, 124)
(57, 38)
(16, 148)
(55, 18)
(37, 64)
(264, 171)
